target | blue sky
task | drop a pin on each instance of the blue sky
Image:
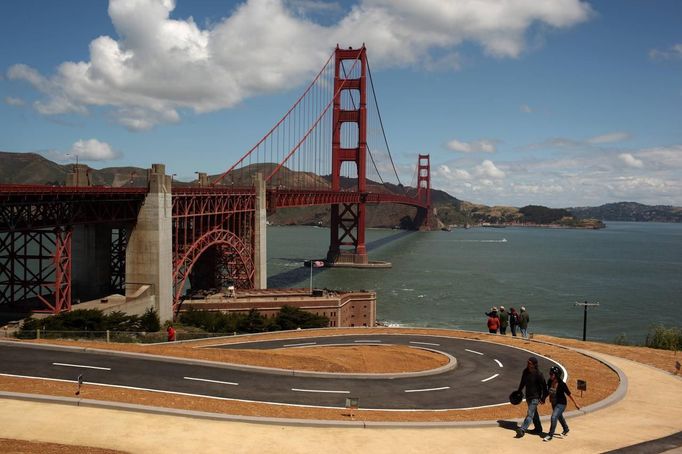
(559, 102)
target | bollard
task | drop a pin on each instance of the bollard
(107, 336)
(37, 334)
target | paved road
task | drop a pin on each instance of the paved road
(485, 375)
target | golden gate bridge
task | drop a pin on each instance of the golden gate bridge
(329, 149)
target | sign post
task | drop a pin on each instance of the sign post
(585, 305)
(352, 403)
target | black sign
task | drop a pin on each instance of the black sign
(582, 385)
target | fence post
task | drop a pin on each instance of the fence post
(38, 334)
(107, 336)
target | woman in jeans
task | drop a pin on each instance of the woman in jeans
(557, 396)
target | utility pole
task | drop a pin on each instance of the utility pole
(585, 305)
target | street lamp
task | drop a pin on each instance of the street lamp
(585, 305)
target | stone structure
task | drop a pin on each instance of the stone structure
(344, 309)
(149, 254)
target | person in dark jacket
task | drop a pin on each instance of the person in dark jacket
(513, 320)
(504, 320)
(524, 318)
(558, 391)
(536, 393)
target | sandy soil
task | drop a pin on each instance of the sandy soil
(602, 381)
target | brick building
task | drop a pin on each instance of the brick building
(344, 309)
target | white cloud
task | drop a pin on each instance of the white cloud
(452, 174)
(488, 169)
(609, 138)
(672, 53)
(525, 108)
(483, 145)
(12, 101)
(631, 161)
(93, 150)
(159, 66)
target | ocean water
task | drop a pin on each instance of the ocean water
(449, 279)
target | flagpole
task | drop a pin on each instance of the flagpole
(311, 276)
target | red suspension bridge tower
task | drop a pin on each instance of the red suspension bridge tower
(347, 243)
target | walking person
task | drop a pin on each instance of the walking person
(504, 320)
(513, 320)
(524, 318)
(493, 321)
(558, 390)
(536, 393)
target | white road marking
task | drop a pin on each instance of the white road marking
(81, 366)
(424, 390)
(232, 399)
(489, 378)
(212, 381)
(320, 391)
(374, 341)
(473, 351)
(499, 363)
(425, 343)
(299, 345)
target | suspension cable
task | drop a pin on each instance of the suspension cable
(381, 123)
(248, 153)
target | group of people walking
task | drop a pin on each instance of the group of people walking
(537, 390)
(499, 321)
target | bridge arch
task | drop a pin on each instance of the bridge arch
(233, 251)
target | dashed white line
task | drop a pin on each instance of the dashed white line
(499, 363)
(212, 381)
(473, 351)
(299, 345)
(426, 389)
(489, 378)
(369, 341)
(425, 343)
(320, 391)
(81, 366)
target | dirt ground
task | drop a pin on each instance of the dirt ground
(602, 381)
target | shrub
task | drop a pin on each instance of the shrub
(664, 338)
(149, 321)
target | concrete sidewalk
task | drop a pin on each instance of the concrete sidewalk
(650, 410)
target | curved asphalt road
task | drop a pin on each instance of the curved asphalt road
(485, 374)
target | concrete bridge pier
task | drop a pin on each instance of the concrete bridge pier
(260, 241)
(149, 254)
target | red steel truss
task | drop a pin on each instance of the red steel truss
(35, 265)
(220, 220)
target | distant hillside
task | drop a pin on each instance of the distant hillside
(31, 168)
(629, 211)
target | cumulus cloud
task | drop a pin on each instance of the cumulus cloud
(484, 145)
(92, 150)
(631, 161)
(674, 52)
(452, 174)
(488, 169)
(159, 66)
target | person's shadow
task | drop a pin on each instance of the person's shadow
(509, 425)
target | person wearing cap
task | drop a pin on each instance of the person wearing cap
(536, 393)
(524, 318)
(504, 320)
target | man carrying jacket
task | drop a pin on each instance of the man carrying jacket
(536, 393)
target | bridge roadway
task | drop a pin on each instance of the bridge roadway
(485, 374)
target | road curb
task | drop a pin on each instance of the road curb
(610, 400)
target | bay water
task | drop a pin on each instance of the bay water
(450, 279)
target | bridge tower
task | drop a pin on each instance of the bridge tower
(424, 218)
(347, 243)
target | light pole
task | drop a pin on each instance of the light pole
(311, 276)
(585, 305)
